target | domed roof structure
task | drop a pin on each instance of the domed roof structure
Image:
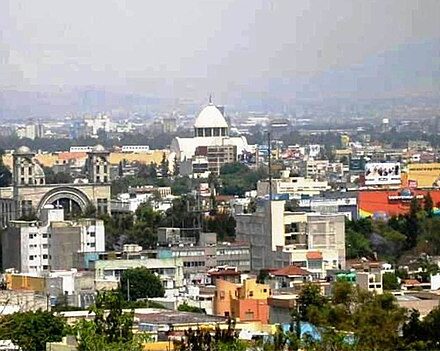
(210, 117)
(99, 148)
(23, 150)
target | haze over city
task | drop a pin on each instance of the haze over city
(206, 175)
(241, 51)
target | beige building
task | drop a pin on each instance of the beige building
(30, 193)
(278, 238)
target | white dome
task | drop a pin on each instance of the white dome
(99, 148)
(23, 150)
(210, 117)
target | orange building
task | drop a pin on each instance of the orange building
(245, 302)
(386, 203)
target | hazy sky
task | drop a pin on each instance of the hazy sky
(193, 45)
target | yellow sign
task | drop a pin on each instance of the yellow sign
(424, 175)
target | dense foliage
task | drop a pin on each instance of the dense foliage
(32, 330)
(416, 232)
(237, 178)
(111, 328)
(140, 283)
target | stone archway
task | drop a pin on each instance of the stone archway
(65, 192)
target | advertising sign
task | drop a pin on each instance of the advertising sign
(382, 173)
(314, 150)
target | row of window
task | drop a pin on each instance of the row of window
(233, 252)
(194, 264)
(34, 246)
(45, 257)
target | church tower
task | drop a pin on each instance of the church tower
(26, 171)
(98, 166)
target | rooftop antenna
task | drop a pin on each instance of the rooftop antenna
(210, 99)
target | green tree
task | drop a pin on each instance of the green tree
(5, 174)
(56, 178)
(357, 245)
(139, 283)
(223, 224)
(390, 281)
(309, 296)
(32, 330)
(428, 205)
(164, 166)
(144, 230)
(184, 307)
(111, 328)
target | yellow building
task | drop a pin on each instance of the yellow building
(25, 282)
(154, 156)
(246, 302)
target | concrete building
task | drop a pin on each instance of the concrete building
(278, 238)
(199, 259)
(170, 270)
(51, 242)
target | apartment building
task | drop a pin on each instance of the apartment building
(314, 241)
(51, 242)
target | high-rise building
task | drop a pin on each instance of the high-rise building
(50, 243)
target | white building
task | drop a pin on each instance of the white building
(210, 129)
(278, 238)
(169, 270)
(293, 186)
(135, 148)
(50, 243)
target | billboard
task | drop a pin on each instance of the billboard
(425, 175)
(382, 173)
(314, 150)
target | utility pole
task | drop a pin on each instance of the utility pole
(269, 163)
(128, 289)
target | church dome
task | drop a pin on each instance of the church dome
(23, 150)
(99, 148)
(210, 117)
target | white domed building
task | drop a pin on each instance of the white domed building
(211, 135)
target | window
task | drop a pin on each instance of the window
(22, 171)
(92, 244)
(249, 315)
(30, 170)
(31, 258)
(251, 293)
(45, 257)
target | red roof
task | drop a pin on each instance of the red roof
(314, 255)
(411, 282)
(71, 155)
(289, 271)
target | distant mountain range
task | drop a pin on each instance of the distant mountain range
(410, 70)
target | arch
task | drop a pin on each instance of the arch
(65, 192)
